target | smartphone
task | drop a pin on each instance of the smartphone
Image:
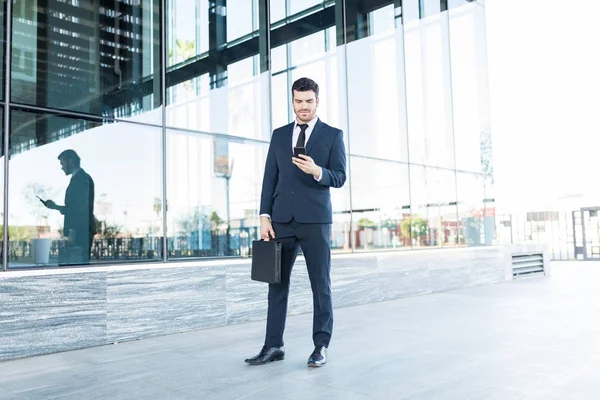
(299, 150)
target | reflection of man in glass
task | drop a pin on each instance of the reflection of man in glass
(79, 222)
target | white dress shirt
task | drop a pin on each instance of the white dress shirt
(307, 133)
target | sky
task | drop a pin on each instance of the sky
(544, 89)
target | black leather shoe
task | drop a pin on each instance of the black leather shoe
(267, 355)
(318, 358)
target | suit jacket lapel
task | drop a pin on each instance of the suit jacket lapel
(314, 136)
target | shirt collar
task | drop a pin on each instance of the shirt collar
(311, 123)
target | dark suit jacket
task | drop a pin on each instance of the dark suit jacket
(287, 191)
(78, 210)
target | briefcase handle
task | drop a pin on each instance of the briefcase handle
(276, 238)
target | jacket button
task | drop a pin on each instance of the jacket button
(292, 192)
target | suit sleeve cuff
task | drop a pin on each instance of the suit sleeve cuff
(318, 179)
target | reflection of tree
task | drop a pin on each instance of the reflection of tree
(241, 108)
(103, 228)
(473, 226)
(157, 206)
(485, 144)
(215, 220)
(36, 207)
(16, 233)
(414, 227)
(365, 223)
(389, 223)
(184, 50)
(192, 221)
(108, 231)
(189, 223)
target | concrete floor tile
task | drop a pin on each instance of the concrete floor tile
(581, 384)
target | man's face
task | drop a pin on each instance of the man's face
(305, 105)
(66, 166)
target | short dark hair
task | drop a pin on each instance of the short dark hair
(304, 85)
(70, 155)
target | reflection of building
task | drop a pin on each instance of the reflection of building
(159, 128)
(115, 73)
(91, 57)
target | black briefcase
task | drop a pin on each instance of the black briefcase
(266, 261)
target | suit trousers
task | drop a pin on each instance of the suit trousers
(313, 239)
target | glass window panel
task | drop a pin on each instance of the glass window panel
(331, 38)
(341, 227)
(214, 194)
(280, 95)
(85, 58)
(186, 91)
(428, 92)
(243, 110)
(458, 3)
(187, 29)
(240, 72)
(297, 6)
(433, 202)
(308, 48)
(382, 20)
(279, 58)
(240, 18)
(477, 214)
(109, 211)
(234, 109)
(380, 204)
(430, 7)
(2, 159)
(414, 92)
(3, 41)
(189, 104)
(469, 89)
(411, 10)
(277, 9)
(375, 99)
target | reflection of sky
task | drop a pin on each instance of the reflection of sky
(122, 159)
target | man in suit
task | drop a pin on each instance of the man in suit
(79, 224)
(296, 207)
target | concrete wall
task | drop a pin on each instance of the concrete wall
(48, 311)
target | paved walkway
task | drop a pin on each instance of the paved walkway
(532, 339)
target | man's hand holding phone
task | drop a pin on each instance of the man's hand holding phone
(306, 164)
(48, 203)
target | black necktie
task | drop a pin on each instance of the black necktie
(301, 138)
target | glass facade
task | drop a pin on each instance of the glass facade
(136, 131)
